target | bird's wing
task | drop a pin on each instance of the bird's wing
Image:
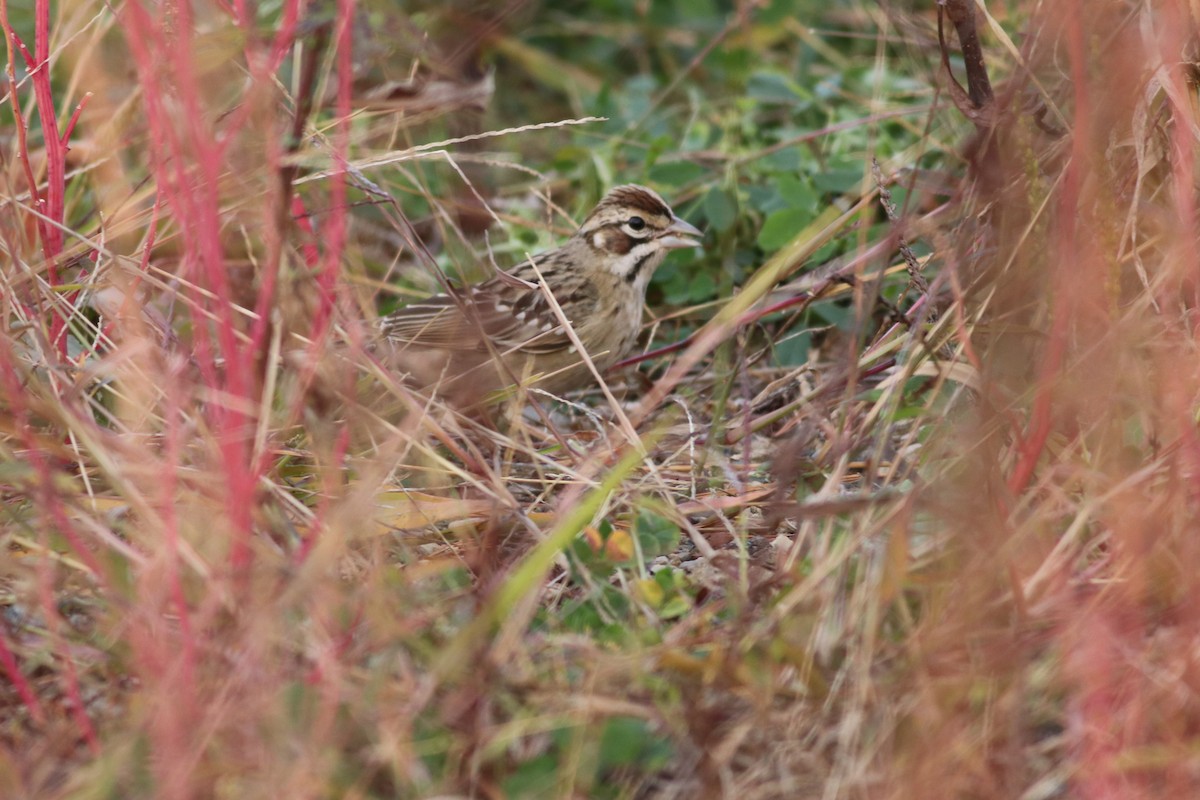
(515, 317)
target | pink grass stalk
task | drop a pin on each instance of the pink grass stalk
(189, 167)
(52, 204)
(333, 235)
(262, 69)
(335, 228)
(15, 45)
(189, 164)
(56, 150)
(189, 161)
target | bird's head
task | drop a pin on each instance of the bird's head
(632, 229)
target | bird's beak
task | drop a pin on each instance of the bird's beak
(680, 234)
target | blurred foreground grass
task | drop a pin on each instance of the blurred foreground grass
(868, 529)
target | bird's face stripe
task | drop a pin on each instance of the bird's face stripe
(630, 265)
(645, 233)
(632, 275)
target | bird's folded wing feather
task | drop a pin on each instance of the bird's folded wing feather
(514, 318)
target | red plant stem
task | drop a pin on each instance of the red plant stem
(334, 234)
(15, 44)
(309, 249)
(284, 36)
(66, 134)
(242, 15)
(56, 161)
(189, 167)
(199, 195)
(51, 206)
(262, 70)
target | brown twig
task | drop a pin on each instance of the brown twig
(976, 102)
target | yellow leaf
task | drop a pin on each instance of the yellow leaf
(651, 592)
(618, 546)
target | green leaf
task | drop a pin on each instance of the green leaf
(701, 287)
(798, 193)
(657, 146)
(666, 579)
(582, 618)
(789, 159)
(566, 158)
(765, 198)
(907, 412)
(637, 95)
(720, 208)
(793, 350)
(772, 87)
(838, 314)
(655, 535)
(699, 136)
(780, 227)
(839, 180)
(534, 778)
(675, 173)
(676, 607)
(628, 741)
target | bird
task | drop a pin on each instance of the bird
(469, 344)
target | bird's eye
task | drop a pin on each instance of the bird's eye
(636, 223)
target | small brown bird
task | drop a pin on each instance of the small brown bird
(448, 344)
